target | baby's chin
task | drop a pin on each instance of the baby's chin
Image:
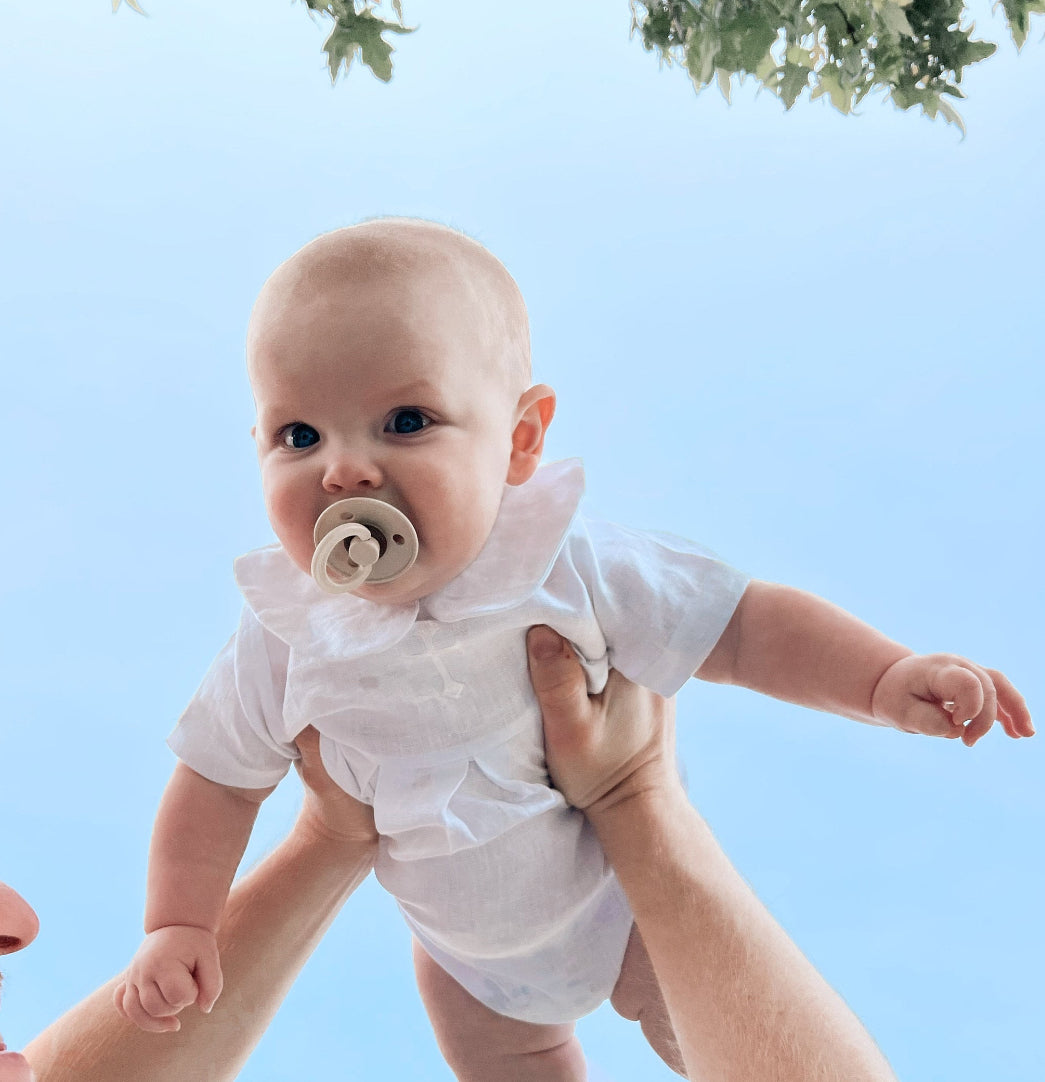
(412, 586)
(427, 576)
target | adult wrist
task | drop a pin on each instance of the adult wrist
(312, 830)
(647, 799)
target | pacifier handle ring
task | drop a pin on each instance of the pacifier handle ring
(326, 546)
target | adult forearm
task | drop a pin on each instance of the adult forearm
(275, 916)
(746, 1004)
(800, 648)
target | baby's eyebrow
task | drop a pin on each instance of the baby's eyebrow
(414, 387)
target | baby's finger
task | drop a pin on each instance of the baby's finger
(117, 997)
(131, 1007)
(1012, 707)
(960, 689)
(930, 719)
(980, 723)
(177, 988)
(208, 981)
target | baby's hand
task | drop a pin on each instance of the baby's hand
(945, 695)
(173, 968)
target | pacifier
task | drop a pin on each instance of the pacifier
(359, 541)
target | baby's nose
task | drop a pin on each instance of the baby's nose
(18, 922)
(352, 470)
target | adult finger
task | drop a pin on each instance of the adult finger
(310, 764)
(308, 744)
(558, 682)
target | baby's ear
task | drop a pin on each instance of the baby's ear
(533, 415)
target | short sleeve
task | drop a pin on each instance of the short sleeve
(231, 730)
(662, 602)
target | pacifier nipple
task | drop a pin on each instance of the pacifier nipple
(359, 541)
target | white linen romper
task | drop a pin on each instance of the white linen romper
(432, 720)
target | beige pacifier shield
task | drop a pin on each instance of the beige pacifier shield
(387, 524)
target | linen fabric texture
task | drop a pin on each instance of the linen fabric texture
(428, 715)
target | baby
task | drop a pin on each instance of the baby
(391, 360)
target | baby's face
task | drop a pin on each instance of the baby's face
(388, 392)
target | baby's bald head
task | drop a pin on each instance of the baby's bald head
(391, 360)
(406, 257)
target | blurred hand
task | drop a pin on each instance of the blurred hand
(175, 967)
(601, 749)
(949, 696)
(327, 806)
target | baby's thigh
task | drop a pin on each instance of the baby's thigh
(638, 998)
(479, 1044)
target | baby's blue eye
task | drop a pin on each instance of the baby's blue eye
(407, 422)
(300, 436)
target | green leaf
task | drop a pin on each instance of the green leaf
(1018, 13)
(852, 69)
(702, 50)
(835, 23)
(766, 71)
(793, 81)
(361, 32)
(831, 84)
(797, 55)
(397, 7)
(952, 116)
(894, 19)
(972, 52)
(745, 41)
(907, 96)
(723, 83)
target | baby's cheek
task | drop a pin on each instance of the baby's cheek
(294, 531)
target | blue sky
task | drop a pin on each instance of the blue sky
(812, 343)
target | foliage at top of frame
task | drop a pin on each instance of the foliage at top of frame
(356, 30)
(914, 50)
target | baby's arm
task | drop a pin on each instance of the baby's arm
(201, 831)
(797, 647)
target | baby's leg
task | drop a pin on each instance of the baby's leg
(482, 1046)
(637, 997)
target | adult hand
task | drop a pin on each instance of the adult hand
(327, 807)
(601, 749)
(743, 1001)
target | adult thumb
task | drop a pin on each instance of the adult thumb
(557, 678)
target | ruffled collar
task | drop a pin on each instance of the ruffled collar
(530, 529)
